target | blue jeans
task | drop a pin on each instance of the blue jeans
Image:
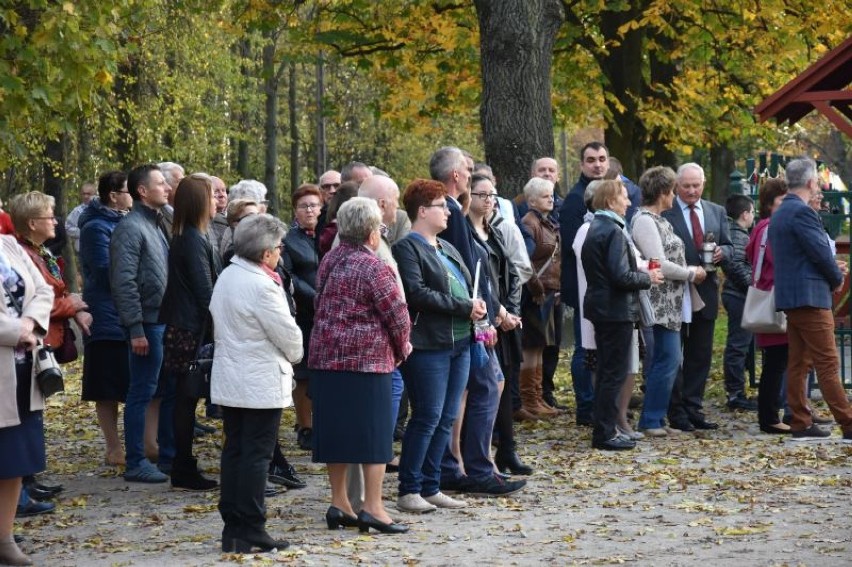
(584, 386)
(483, 399)
(435, 381)
(660, 377)
(397, 386)
(144, 377)
(736, 346)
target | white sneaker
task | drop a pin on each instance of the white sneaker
(414, 503)
(441, 500)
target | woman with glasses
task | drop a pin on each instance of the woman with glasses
(257, 342)
(438, 291)
(301, 260)
(35, 223)
(193, 269)
(505, 314)
(540, 296)
(105, 363)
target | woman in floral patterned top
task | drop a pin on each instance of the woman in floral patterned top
(655, 238)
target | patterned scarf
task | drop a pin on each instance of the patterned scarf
(45, 255)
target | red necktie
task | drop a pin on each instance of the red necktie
(697, 233)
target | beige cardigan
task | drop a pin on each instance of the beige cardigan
(38, 300)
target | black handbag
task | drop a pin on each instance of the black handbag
(196, 383)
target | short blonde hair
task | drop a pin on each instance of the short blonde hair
(24, 208)
(235, 209)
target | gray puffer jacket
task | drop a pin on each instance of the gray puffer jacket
(138, 268)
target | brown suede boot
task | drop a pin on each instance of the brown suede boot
(541, 407)
(524, 415)
(529, 401)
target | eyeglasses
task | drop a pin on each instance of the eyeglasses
(53, 219)
(438, 206)
(329, 186)
(486, 196)
(308, 206)
(546, 197)
(281, 247)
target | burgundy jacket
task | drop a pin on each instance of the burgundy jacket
(361, 322)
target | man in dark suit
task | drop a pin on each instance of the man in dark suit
(694, 220)
(806, 273)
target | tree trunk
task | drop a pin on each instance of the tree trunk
(270, 127)
(292, 106)
(622, 66)
(516, 47)
(663, 72)
(722, 163)
(125, 92)
(322, 148)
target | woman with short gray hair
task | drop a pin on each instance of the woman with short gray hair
(256, 343)
(357, 297)
(357, 218)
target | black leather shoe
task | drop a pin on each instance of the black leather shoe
(704, 424)
(40, 494)
(617, 443)
(585, 421)
(34, 508)
(251, 541)
(741, 402)
(550, 400)
(682, 425)
(511, 462)
(53, 489)
(337, 519)
(285, 476)
(367, 521)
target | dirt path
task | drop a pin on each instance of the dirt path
(731, 497)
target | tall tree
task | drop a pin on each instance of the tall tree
(516, 44)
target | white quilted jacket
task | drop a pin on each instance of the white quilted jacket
(257, 340)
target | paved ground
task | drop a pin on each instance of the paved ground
(731, 497)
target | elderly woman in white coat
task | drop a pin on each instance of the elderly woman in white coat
(256, 344)
(24, 314)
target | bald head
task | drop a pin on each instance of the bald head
(386, 193)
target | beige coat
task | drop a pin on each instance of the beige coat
(38, 301)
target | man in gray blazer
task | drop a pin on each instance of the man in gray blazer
(806, 274)
(695, 219)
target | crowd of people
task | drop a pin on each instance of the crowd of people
(450, 306)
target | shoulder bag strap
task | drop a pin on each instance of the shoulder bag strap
(759, 266)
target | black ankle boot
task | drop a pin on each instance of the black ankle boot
(511, 462)
(257, 540)
(186, 476)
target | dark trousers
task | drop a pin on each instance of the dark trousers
(687, 401)
(737, 346)
(504, 426)
(479, 415)
(550, 356)
(184, 425)
(771, 378)
(614, 340)
(584, 387)
(250, 436)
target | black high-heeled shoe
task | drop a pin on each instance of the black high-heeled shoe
(511, 462)
(338, 519)
(367, 521)
(247, 542)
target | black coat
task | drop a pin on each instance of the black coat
(431, 306)
(612, 278)
(193, 269)
(301, 260)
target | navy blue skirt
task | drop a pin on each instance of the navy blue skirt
(22, 447)
(352, 417)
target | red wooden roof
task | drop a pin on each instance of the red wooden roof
(821, 86)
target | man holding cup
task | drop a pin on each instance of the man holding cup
(702, 226)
